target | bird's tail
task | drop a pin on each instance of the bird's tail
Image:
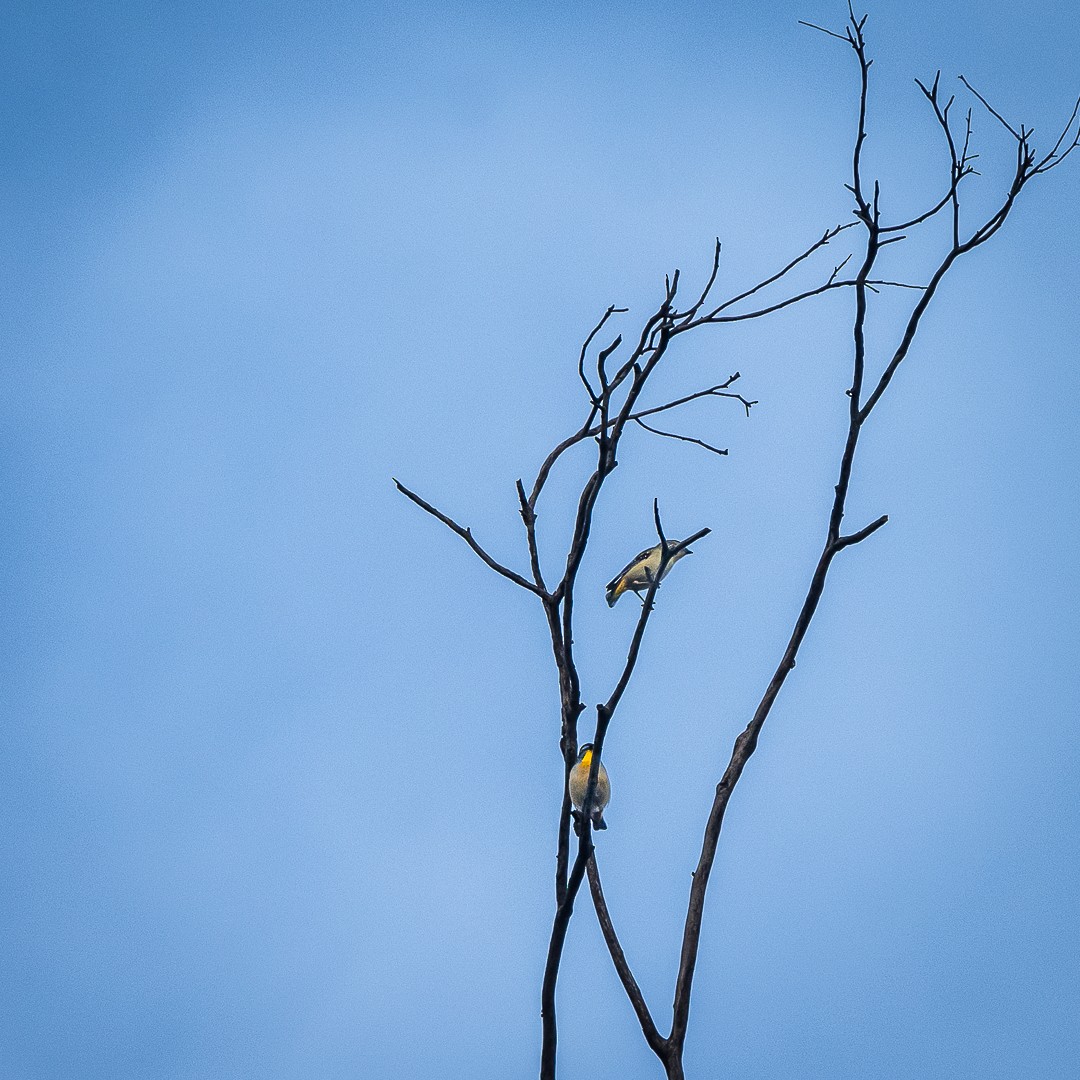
(598, 821)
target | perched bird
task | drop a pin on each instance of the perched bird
(640, 572)
(579, 784)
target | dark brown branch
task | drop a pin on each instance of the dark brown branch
(647, 343)
(570, 709)
(842, 542)
(1027, 165)
(548, 463)
(585, 348)
(1023, 174)
(855, 39)
(991, 110)
(713, 391)
(959, 165)
(612, 407)
(467, 536)
(831, 33)
(550, 1037)
(648, 1028)
(528, 516)
(829, 234)
(909, 334)
(565, 589)
(604, 713)
(682, 438)
(700, 302)
(745, 746)
(746, 743)
(591, 432)
(608, 437)
(607, 441)
(715, 320)
(1053, 159)
(838, 267)
(678, 323)
(938, 206)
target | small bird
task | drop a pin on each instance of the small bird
(640, 572)
(579, 784)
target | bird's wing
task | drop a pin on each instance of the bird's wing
(627, 568)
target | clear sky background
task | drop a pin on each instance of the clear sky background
(280, 776)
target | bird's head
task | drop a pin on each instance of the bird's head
(584, 750)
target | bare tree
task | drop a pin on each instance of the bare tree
(614, 376)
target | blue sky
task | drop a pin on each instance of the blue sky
(257, 816)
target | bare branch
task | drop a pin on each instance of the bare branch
(604, 714)
(616, 403)
(857, 537)
(892, 284)
(831, 33)
(1026, 169)
(938, 206)
(648, 1028)
(958, 165)
(549, 1037)
(715, 319)
(992, 111)
(682, 438)
(696, 307)
(829, 235)
(746, 743)
(712, 391)
(1054, 159)
(585, 348)
(664, 551)
(571, 440)
(838, 267)
(528, 516)
(467, 536)
(591, 432)
(855, 39)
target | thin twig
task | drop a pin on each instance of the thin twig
(699, 303)
(585, 348)
(467, 536)
(1054, 159)
(591, 432)
(683, 438)
(991, 110)
(827, 236)
(528, 516)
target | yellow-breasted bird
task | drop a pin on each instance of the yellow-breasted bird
(579, 784)
(640, 572)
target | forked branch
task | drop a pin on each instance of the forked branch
(615, 373)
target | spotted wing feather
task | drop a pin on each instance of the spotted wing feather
(639, 557)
